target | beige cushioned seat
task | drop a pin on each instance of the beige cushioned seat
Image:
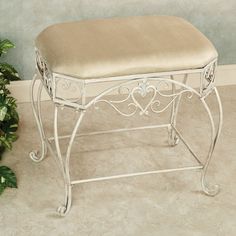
(124, 46)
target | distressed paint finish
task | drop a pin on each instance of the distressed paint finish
(21, 21)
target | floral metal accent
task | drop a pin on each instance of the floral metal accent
(45, 73)
(209, 77)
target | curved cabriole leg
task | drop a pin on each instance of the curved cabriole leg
(212, 189)
(173, 138)
(65, 165)
(38, 156)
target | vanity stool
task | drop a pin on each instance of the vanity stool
(138, 58)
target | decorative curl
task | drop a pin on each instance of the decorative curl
(45, 73)
(143, 89)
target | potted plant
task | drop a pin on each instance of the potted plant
(8, 116)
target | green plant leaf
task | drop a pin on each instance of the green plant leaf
(2, 149)
(5, 142)
(2, 187)
(3, 112)
(8, 116)
(7, 177)
(9, 72)
(5, 45)
(5, 66)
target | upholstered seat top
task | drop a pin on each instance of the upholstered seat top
(124, 46)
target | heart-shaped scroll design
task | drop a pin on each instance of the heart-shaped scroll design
(143, 89)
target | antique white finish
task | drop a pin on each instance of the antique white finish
(133, 89)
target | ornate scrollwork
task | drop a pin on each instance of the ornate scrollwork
(68, 90)
(45, 73)
(210, 73)
(142, 90)
(209, 77)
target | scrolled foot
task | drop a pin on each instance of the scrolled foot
(211, 190)
(65, 208)
(62, 210)
(173, 138)
(173, 141)
(36, 157)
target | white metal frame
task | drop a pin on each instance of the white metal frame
(130, 87)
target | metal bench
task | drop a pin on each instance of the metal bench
(136, 57)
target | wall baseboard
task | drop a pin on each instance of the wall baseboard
(226, 75)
